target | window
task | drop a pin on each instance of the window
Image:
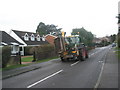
(15, 49)
(32, 37)
(43, 39)
(38, 38)
(26, 37)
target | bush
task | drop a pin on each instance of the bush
(0, 57)
(44, 51)
(118, 40)
(27, 50)
(6, 54)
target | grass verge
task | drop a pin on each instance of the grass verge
(13, 67)
(118, 52)
(45, 60)
(23, 65)
(27, 59)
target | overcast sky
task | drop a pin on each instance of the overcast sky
(97, 16)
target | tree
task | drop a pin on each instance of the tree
(113, 37)
(43, 29)
(86, 37)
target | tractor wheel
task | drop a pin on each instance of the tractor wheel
(63, 60)
(86, 56)
(81, 58)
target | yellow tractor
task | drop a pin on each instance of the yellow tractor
(70, 48)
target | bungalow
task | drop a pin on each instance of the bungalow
(28, 39)
(6, 39)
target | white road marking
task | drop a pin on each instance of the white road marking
(89, 55)
(100, 61)
(99, 78)
(92, 54)
(74, 63)
(44, 79)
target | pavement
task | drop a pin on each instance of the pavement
(20, 70)
(109, 78)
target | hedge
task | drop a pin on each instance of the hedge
(118, 40)
(27, 50)
(6, 54)
(0, 57)
(44, 51)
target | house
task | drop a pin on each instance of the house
(6, 39)
(50, 38)
(28, 39)
(96, 40)
(105, 39)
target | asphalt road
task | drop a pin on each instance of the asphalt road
(57, 74)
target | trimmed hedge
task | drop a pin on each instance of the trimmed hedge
(118, 41)
(6, 54)
(7, 59)
(0, 57)
(27, 50)
(44, 51)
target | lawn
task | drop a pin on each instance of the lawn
(45, 60)
(27, 59)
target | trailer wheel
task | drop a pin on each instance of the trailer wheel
(78, 58)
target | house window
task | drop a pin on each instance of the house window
(15, 49)
(43, 39)
(32, 37)
(26, 37)
(38, 38)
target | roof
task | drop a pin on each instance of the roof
(7, 39)
(51, 36)
(21, 34)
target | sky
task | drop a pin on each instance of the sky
(96, 16)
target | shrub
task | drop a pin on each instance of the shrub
(27, 50)
(44, 51)
(0, 57)
(6, 54)
(118, 40)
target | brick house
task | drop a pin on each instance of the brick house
(50, 39)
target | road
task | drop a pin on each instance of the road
(72, 74)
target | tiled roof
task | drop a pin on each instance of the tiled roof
(7, 39)
(29, 42)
